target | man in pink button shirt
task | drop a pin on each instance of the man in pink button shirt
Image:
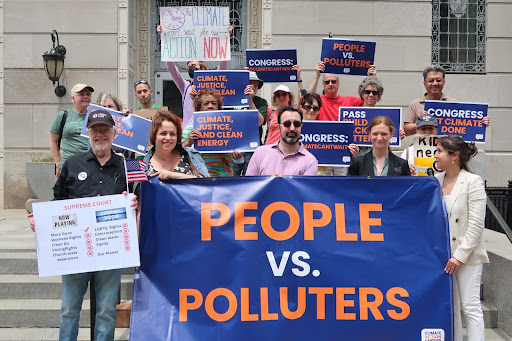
(287, 156)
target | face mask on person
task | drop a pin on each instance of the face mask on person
(191, 70)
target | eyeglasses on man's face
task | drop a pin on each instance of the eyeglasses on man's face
(288, 124)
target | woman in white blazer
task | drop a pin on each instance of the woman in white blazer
(466, 205)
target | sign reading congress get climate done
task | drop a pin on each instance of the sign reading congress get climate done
(293, 258)
(195, 33)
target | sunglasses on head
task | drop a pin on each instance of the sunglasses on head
(288, 124)
(279, 94)
(142, 81)
(373, 92)
(309, 107)
(333, 81)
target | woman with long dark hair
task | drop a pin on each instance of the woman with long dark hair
(465, 197)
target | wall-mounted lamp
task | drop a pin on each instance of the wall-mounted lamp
(54, 63)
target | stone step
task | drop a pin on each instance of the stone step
(25, 262)
(44, 313)
(490, 316)
(52, 334)
(23, 286)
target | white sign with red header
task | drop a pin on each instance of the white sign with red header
(84, 235)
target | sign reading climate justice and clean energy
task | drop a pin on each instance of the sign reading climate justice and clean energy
(269, 258)
(229, 83)
(347, 57)
(224, 131)
(86, 234)
(132, 131)
(362, 116)
(328, 141)
(459, 118)
(273, 66)
(195, 33)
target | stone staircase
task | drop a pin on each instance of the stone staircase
(30, 306)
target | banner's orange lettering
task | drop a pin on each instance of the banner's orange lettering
(366, 222)
(341, 230)
(266, 221)
(373, 306)
(207, 221)
(232, 304)
(185, 306)
(390, 297)
(244, 306)
(320, 300)
(341, 303)
(284, 303)
(241, 220)
(310, 222)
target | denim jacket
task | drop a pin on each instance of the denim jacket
(194, 155)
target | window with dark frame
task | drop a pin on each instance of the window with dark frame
(458, 35)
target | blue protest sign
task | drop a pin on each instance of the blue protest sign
(229, 83)
(328, 141)
(458, 118)
(362, 116)
(292, 258)
(132, 131)
(273, 66)
(347, 57)
(224, 131)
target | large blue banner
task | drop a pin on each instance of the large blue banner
(229, 83)
(224, 131)
(457, 118)
(132, 131)
(328, 141)
(273, 66)
(362, 116)
(293, 258)
(347, 57)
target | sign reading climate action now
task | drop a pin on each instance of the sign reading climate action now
(195, 33)
(132, 131)
(293, 258)
(224, 131)
(273, 66)
(328, 141)
(362, 116)
(86, 234)
(458, 118)
(349, 57)
(229, 83)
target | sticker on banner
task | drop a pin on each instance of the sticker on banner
(293, 77)
(244, 101)
(432, 334)
(346, 159)
(82, 176)
(254, 144)
(66, 220)
(479, 136)
(393, 140)
(139, 147)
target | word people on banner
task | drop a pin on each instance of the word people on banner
(347, 57)
(195, 33)
(328, 141)
(291, 256)
(230, 84)
(362, 116)
(132, 131)
(224, 131)
(84, 235)
(273, 66)
(458, 118)
(425, 147)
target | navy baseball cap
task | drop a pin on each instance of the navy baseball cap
(426, 120)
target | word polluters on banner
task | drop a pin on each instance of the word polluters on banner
(195, 33)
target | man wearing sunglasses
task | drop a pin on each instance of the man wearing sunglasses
(331, 101)
(143, 92)
(287, 156)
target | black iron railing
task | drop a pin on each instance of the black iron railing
(499, 209)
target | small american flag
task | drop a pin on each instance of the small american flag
(135, 170)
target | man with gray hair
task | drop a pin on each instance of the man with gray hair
(433, 80)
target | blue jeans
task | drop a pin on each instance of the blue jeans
(73, 290)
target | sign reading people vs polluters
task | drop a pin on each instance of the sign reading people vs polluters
(195, 33)
(347, 57)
